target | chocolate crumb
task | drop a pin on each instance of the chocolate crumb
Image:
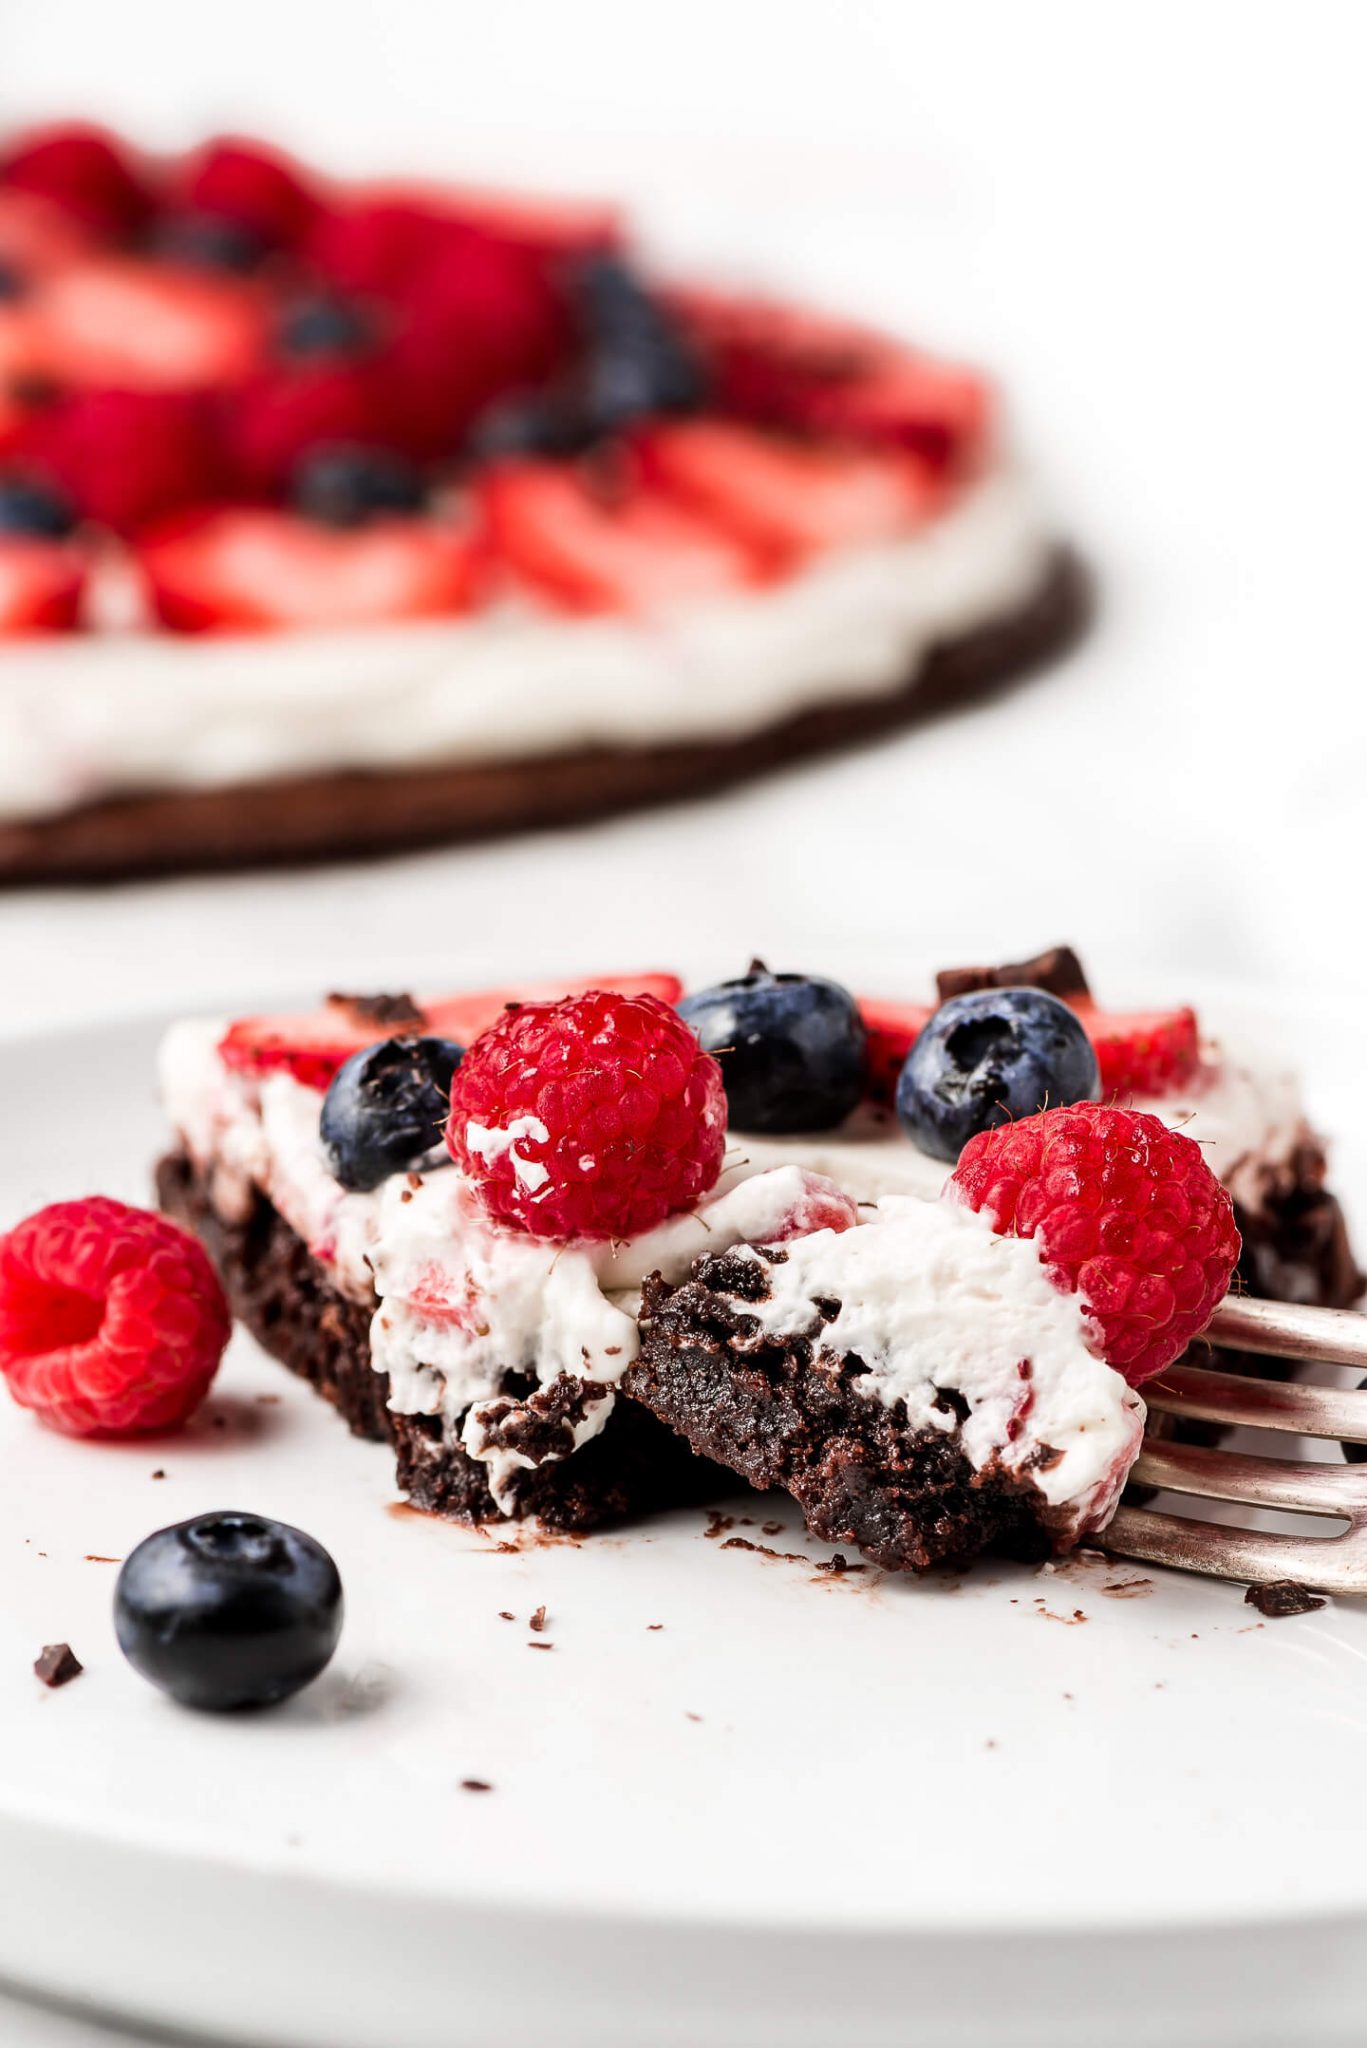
(504, 1615)
(1283, 1597)
(475, 1785)
(159, 1473)
(771, 1528)
(718, 1524)
(58, 1665)
(381, 1009)
(692, 1717)
(93, 1557)
(538, 1620)
(541, 1646)
(653, 1626)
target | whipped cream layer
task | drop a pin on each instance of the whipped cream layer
(115, 712)
(932, 1300)
(1243, 1109)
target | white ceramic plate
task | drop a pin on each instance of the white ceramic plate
(803, 1809)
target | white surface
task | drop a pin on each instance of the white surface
(1148, 221)
(880, 1770)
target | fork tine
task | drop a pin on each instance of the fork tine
(1335, 1564)
(1236, 1399)
(1263, 1482)
(1334, 1336)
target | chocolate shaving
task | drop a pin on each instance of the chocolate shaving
(58, 1665)
(1282, 1597)
(475, 1785)
(1059, 971)
(538, 1620)
(385, 1011)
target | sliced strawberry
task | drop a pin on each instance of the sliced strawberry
(144, 326)
(248, 568)
(1151, 1052)
(892, 1029)
(553, 226)
(784, 494)
(40, 586)
(84, 172)
(313, 1046)
(593, 553)
(792, 367)
(940, 411)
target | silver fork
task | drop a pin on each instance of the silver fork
(1333, 1564)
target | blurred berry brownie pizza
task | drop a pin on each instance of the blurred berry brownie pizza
(569, 1251)
(345, 518)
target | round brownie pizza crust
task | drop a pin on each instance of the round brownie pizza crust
(337, 816)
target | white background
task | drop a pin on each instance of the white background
(1148, 218)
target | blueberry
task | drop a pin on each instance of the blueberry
(208, 241)
(345, 484)
(33, 510)
(322, 326)
(791, 1049)
(987, 1058)
(535, 424)
(228, 1610)
(638, 360)
(386, 1108)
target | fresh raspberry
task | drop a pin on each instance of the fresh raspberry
(286, 408)
(112, 1320)
(256, 187)
(1145, 1053)
(86, 173)
(1127, 1214)
(127, 457)
(597, 1116)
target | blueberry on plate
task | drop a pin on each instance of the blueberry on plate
(387, 1107)
(228, 1610)
(987, 1058)
(790, 1047)
(346, 484)
(32, 511)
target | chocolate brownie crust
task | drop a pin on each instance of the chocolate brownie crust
(277, 1288)
(336, 816)
(284, 1297)
(908, 1498)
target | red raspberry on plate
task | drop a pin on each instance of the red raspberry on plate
(112, 1319)
(597, 1116)
(1127, 1214)
(238, 179)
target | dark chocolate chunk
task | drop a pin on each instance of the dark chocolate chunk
(381, 1010)
(1058, 971)
(58, 1665)
(1282, 1597)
